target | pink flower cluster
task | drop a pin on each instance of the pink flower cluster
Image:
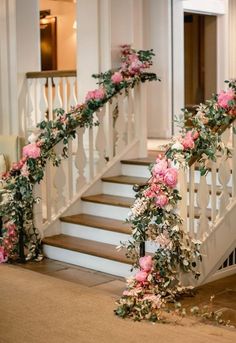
(8, 242)
(97, 94)
(117, 77)
(224, 97)
(131, 63)
(146, 266)
(32, 150)
(188, 140)
(163, 176)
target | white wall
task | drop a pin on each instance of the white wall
(157, 35)
(66, 35)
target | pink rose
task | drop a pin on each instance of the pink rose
(31, 151)
(141, 276)
(146, 263)
(24, 170)
(161, 200)
(89, 96)
(171, 177)
(192, 133)
(117, 77)
(97, 94)
(3, 255)
(225, 97)
(160, 167)
(188, 142)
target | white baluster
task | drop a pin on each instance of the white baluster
(224, 177)
(38, 210)
(234, 164)
(120, 125)
(59, 181)
(43, 103)
(130, 118)
(57, 102)
(191, 194)
(64, 94)
(69, 167)
(48, 190)
(72, 99)
(50, 99)
(213, 192)
(110, 131)
(183, 192)
(202, 202)
(100, 141)
(80, 160)
(91, 154)
(30, 122)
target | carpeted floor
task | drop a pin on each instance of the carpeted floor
(36, 308)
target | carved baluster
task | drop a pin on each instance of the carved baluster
(38, 207)
(111, 134)
(30, 122)
(100, 141)
(48, 190)
(182, 185)
(130, 118)
(213, 192)
(43, 103)
(57, 102)
(191, 196)
(59, 181)
(120, 124)
(80, 160)
(202, 202)
(69, 167)
(50, 99)
(234, 164)
(224, 175)
(91, 153)
(72, 99)
(64, 94)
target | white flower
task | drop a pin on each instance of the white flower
(33, 138)
(177, 146)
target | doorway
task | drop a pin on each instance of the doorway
(200, 57)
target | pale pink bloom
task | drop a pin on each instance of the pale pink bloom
(17, 165)
(164, 241)
(24, 170)
(159, 167)
(133, 292)
(171, 177)
(188, 142)
(141, 276)
(161, 200)
(117, 77)
(149, 193)
(224, 97)
(146, 263)
(133, 58)
(31, 150)
(3, 255)
(99, 93)
(154, 299)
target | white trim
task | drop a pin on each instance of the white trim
(211, 7)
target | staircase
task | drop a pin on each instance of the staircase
(90, 239)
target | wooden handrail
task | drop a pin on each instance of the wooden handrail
(50, 73)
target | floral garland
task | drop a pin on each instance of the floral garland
(16, 186)
(154, 218)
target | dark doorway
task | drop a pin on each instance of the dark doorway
(48, 42)
(200, 57)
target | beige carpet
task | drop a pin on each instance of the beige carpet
(36, 308)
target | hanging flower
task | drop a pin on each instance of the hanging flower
(225, 97)
(146, 263)
(161, 200)
(171, 177)
(3, 255)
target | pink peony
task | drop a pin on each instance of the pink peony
(171, 177)
(188, 142)
(160, 167)
(97, 94)
(141, 276)
(25, 171)
(161, 200)
(31, 151)
(225, 97)
(3, 255)
(117, 77)
(193, 134)
(146, 263)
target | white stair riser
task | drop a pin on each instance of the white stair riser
(135, 170)
(94, 234)
(87, 261)
(118, 189)
(103, 210)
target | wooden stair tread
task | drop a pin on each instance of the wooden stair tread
(88, 247)
(98, 222)
(108, 199)
(125, 179)
(142, 161)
